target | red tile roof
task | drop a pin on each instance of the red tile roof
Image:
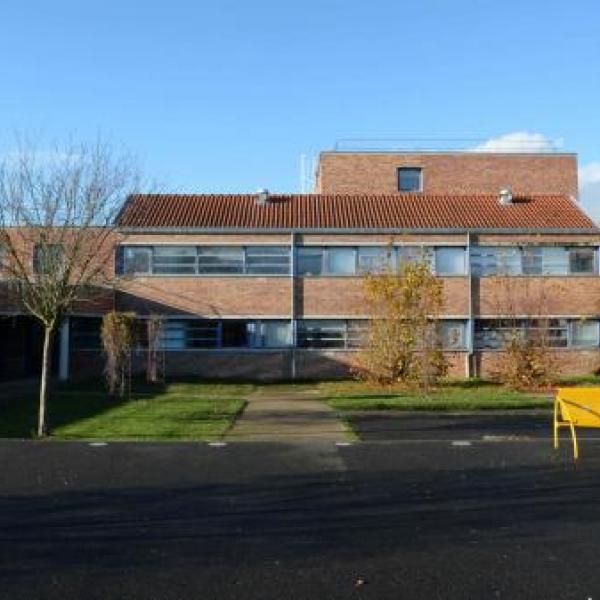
(309, 212)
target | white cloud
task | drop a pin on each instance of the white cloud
(519, 141)
(589, 174)
(589, 189)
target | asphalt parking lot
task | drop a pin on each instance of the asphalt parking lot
(449, 515)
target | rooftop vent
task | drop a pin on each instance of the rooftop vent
(506, 196)
(262, 197)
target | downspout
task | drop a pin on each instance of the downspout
(470, 323)
(293, 305)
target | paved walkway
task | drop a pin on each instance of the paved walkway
(287, 417)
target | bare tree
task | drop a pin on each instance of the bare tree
(57, 210)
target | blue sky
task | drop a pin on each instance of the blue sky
(225, 96)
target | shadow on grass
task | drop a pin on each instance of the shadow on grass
(68, 403)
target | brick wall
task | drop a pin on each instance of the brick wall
(207, 296)
(512, 296)
(567, 362)
(448, 173)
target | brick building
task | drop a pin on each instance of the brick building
(270, 286)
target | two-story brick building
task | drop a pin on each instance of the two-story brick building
(270, 286)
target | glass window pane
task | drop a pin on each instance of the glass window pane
(374, 259)
(555, 260)
(137, 259)
(453, 334)
(173, 335)
(581, 260)
(235, 334)
(450, 261)
(356, 333)
(341, 261)
(508, 261)
(321, 334)
(414, 254)
(310, 261)
(483, 261)
(275, 334)
(268, 260)
(220, 259)
(409, 179)
(85, 333)
(175, 260)
(584, 333)
(532, 260)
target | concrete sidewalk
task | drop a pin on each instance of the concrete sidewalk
(295, 417)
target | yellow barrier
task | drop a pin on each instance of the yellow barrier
(576, 407)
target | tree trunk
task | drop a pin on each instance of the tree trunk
(45, 380)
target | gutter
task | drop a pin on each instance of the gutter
(350, 231)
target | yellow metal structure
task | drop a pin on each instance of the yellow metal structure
(576, 407)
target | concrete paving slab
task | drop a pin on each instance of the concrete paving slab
(295, 417)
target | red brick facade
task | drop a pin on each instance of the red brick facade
(448, 173)
(362, 220)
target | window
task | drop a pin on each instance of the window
(494, 333)
(137, 260)
(532, 260)
(174, 335)
(322, 333)
(310, 261)
(48, 259)
(234, 334)
(410, 179)
(584, 333)
(508, 261)
(341, 261)
(220, 259)
(85, 333)
(414, 254)
(374, 259)
(271, 334)
(326, 261)
(452, 335)
(450, 261)
(174, 260)
(483, 261)
(356, 332)
(268, 260)
(582, 260)
(555, 260)
(332, 333)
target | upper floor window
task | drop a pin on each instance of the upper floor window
(533, 260)
(48, 259)
(205, 260)
(315, 260)
(410, 179)
(450, 261)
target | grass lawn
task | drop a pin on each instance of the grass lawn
(183, 411)
(463, 395)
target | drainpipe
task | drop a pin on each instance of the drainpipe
(293, 304)
(470, 323)
(63, 350)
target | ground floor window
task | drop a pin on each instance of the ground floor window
(493, 334)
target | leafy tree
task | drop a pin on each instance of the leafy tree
(403, 343)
